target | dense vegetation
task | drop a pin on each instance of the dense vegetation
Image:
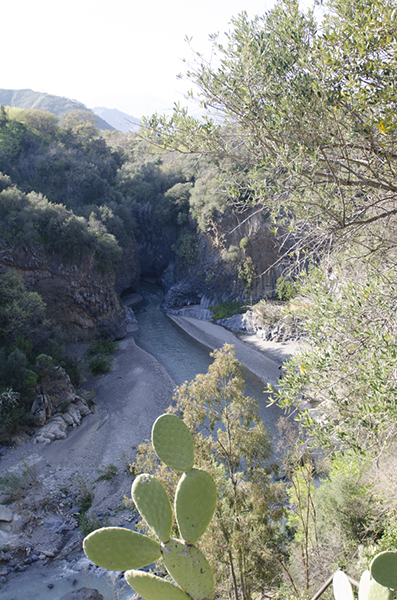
(74, 193)
(301, 123)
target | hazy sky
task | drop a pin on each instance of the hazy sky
(121, 54)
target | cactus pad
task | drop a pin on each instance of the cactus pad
(151, 587)
(118, 549)
(384, 569)
(378, 592)
(189, 568)
(173, 442)
(363, 588)
(153, 504)
(342, 588)
(195, 501)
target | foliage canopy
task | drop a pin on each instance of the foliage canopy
(309, 111)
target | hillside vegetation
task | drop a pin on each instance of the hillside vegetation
(299, 141)
(71, 195)
(57, 105)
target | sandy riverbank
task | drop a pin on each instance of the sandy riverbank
(134, 393)
(259, 356)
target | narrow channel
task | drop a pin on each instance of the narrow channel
(181, 355)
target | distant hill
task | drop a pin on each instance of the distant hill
(56, 105)
(118, 119)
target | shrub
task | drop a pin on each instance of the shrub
(89, 524)
(285, 289)
(13, 486)
(14, 414)
(225, 310)
(73, 369)
(106, 472)
(186, 249)
(98, 353)
(102, 347)
(84, 493)
(44, 364)
(246, 274)
(99, 365)
(231, 255)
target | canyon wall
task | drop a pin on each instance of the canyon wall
(78, 297)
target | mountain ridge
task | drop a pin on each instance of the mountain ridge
(120, 120)
(57, 105)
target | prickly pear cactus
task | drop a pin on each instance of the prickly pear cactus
(378, 592)
(188, 566)
(377, 584)
(119, 549)
(369, 589)
(173, 443)
(384, 569)
(153, 504)
(195, 501)
(342, 587)
(150, 586)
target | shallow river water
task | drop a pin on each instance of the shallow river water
(181, 355)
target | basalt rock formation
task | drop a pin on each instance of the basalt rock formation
(57, 406)
(79, 297)
(214, 276)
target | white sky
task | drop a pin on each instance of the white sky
(121, 54)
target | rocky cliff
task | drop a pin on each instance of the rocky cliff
(78, 297)
(208, 271)
(214, 276)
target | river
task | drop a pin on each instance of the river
(184, 357)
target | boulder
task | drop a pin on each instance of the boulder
(130, 320)
(20, 439)
(58, 386)
(42, 409)
(5, 514)
(83, 594)
(67, 417)
(54, 430)
(75, 413)
(82, 407)
(55, 390)
(55, 525)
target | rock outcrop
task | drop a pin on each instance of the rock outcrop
(83, 594)
(214, 277)
(57, 406)
(78, 296)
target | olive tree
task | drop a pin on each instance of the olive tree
(308, 110)
(343, 383)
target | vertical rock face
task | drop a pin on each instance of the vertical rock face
(78, 297)
(154, 241)
(128, 269)
(215, 274)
